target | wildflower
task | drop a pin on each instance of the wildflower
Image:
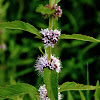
(57, 13)
(42, 62)
(3, 47)
(43, 93)
(51, 37)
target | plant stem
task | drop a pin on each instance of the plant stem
(50, 23)
(51, 2)
(88, 92)
(49, 53)
(50, 28)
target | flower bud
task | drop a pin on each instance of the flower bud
(56, 14)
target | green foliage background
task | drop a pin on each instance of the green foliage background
(79, 16)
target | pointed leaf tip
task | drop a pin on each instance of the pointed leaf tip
(21, 26)
(74, 86)
(79, 37)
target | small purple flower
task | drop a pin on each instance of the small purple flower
(57, 13)
(3, 47)
(42, 62)
(43, 93)
(51, 37)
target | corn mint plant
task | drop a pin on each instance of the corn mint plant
(48, 65)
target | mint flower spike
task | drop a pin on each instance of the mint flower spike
(42, 62)
(43, 93)
(57, 13)
(2, 47)
(51, 37)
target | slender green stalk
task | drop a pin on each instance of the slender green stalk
(51, 2)
(50, 23)
(50, 28)
(49, 53)
(46, 50)
(88, 92)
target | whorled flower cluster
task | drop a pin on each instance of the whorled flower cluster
(51, 37)
(43, 93)
(2, 47)
(58, 10)
(42, 62)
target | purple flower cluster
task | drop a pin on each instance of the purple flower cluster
(42, 62)
(3, 47)
(58, 10)
(51, 37)
(43, 93)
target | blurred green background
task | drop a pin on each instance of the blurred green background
(22, 49)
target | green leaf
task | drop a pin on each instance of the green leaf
(51, 82)
(44, 10)
(34, 97)
(79, 37)
(57, 1)
(97, 92)
(70, 97)
(4, 10)
(30, 97)
(16, 90)
(74, 86)
(82, 95)
(38, 37)
(40, 48)
(21, 26)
